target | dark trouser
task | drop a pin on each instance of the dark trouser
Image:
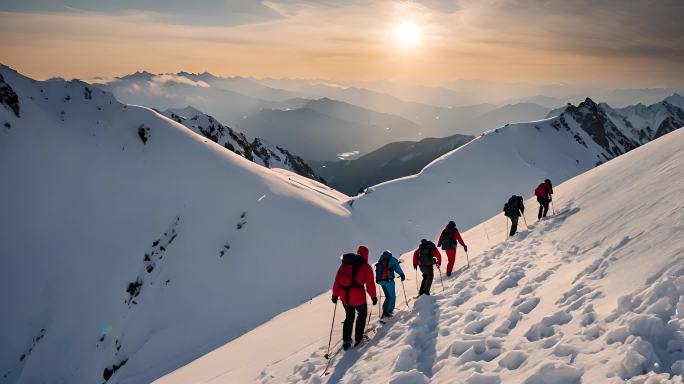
(428, 274)
(350, 312)
(514, 225)
(543, 207)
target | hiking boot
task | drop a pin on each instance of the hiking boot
(346, 345)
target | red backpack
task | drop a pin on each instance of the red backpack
(540, 191)
(384, 275)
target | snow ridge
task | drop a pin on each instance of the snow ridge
(592, 294)
(259, 150)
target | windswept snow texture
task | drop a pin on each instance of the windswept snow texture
(259, 150)
(131, 245)
(593, 294)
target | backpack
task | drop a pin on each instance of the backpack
(384, 264)
(540, 191)
(425, 252)
(448, 238)
(355, 261)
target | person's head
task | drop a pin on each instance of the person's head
(547, 182)
(363, 251)
(423, 241)
(386, 254)
(451, 224)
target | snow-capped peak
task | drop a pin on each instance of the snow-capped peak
(676, 99)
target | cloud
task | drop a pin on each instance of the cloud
(517, 40)
(171, 79)
(196, 12)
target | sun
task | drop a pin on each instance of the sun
(408, 34)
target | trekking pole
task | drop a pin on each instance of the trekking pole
(525, 220)
(467, 259)
(380, 304)
(370, 314)
(405, 298)
(416, 271)
(553, 208)
(440, 278)
(327, 354)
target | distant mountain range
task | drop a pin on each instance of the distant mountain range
(318, 121)
(391, 161)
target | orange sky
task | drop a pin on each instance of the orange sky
(491, 40)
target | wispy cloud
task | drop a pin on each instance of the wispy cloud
(171, 79)
(519, 40)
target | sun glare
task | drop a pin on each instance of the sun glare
(407, 34)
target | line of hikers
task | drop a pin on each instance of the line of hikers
(355, 276)
(515, 208)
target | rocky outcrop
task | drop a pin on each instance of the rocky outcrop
(8, 97)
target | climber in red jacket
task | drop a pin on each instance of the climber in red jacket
(448, 240)
(425, 256)
(352, 276)
(543, 193)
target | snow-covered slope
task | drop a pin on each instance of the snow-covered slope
(473, 182)
(260, 151)
(593, 294)
(131, 245)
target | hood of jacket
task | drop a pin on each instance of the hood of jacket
(385, 255)
(363, 251)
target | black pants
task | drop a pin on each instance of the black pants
(350, 313)
(543, 207)
(514, 225)
(428, 274)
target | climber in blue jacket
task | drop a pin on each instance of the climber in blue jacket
(385, 269)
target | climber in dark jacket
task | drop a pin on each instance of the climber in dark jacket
(513, 209)
(425, 256)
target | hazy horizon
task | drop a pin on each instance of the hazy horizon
(610, 44)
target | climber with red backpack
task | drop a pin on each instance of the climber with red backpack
(425, 256)
(448, 240)
(352, 277)
(385, 269)
(543, 193)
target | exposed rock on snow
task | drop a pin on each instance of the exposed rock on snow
(8, 97)
(258, 151)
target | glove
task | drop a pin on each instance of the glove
(465, 247)
(334, 299)
(375, 300)
(403, 277)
